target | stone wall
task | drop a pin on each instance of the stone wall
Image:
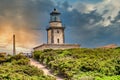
(56, 46)
(56, 24)
(55, 35)
(49, 37)
(58, 34)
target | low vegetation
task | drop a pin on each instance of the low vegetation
(82, 63)
(17, 68)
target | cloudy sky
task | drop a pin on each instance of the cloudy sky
(91, 23)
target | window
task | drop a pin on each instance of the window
(57, 40)
(57, 31)
(55, 18)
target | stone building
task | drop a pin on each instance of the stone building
(110, 46)
(55, 34)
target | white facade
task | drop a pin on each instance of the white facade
(55, 32)
(56, 24)
(58, 36)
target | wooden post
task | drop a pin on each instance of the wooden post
(14, 51)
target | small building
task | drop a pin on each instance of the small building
(55, 34)
(110, 46)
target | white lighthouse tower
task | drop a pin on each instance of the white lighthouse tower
(55, 33)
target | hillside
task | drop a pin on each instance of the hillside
(18, 68)
(82, 63)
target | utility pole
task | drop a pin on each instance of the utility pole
(14, 51)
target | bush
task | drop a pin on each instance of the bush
(2, 58)
(81, 62)
(17, 68)
(36, 55)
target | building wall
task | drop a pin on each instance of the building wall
(55, 36)
(49, 36)
(56, 46)
(58, 36)
(56, 24)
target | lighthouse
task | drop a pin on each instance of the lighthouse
(55, 32)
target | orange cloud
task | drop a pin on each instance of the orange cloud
(25, 38)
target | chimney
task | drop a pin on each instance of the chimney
(14, 51)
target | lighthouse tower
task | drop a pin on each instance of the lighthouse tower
(55, 32)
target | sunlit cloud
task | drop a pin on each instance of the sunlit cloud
(22, 18)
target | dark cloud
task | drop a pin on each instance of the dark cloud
(31, 11)
(117, 18)
(82, 28)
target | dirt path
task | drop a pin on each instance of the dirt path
(42, 67)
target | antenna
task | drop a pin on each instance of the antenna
(14, 51)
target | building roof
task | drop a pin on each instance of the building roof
(60, 45)
(109, 46)
(55, 11)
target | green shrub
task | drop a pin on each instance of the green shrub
(2, 57)
(36, 55)
(82, 62)
(17, 68)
